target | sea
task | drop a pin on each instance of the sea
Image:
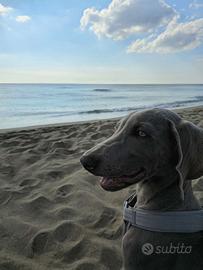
(23, 105)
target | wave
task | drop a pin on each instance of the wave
(102, 90)
(160, 105)
(45, 113)
(62, 113)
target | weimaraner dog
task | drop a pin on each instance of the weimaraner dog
(161, 153)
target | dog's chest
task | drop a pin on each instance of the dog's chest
(150, 250)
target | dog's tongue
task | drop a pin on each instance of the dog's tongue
(111, 184)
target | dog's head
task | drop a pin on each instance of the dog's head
(150, 143)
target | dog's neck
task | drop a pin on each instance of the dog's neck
(164, 194)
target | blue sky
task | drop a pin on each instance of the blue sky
(100, 41)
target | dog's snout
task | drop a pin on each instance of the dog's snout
(89, 162)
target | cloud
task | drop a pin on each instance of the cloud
(23, 19)
(195, 5)
(177, 37)
(125, 17)
(4, 9)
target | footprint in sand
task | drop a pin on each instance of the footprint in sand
(66, 213)
(38, 203)
(67, 231)
(78, 251)
(108, 215)
(56, 174)
(29, 182)
(64, 190)
(38, 242)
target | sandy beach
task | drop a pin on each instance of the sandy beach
(54, 214)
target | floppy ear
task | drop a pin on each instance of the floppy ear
(189, 143)
(191, 137)
(179, 158)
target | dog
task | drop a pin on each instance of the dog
(161, 153)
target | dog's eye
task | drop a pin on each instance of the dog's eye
(141, 133)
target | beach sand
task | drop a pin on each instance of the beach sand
(54, 214)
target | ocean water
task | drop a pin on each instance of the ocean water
(24, 105)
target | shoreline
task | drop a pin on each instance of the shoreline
(65, 124)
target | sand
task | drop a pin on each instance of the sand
(54, 214)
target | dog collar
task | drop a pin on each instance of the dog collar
(157, 221)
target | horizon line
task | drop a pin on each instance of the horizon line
(102, 83)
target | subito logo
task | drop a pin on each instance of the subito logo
(147, 249)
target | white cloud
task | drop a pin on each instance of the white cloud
(4, 9)
(177, 37)
(125, 17)
(195, 5)
(23, 19)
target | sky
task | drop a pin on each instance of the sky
(101, 41)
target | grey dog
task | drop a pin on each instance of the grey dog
(161, 153)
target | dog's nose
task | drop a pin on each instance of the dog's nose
(89, 162)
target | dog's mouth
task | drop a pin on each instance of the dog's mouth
(114, 183)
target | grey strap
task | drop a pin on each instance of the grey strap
(170, 221)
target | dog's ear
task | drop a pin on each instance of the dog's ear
(189, 150)
(178, 156)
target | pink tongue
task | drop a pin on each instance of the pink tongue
(105, 182)
(108, 183)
